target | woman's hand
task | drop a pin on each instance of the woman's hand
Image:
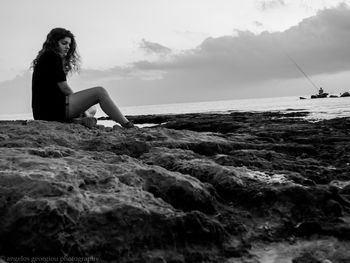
(90, 112)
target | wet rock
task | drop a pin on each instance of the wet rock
(345, 94)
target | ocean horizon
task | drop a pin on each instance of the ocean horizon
(322, 108)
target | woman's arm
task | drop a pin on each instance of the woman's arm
(65, 87)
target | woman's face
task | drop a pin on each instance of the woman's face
(63, 46)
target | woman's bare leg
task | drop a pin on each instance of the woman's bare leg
(80, 101)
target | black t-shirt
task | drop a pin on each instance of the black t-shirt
(48, 101)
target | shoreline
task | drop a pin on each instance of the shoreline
(237, 187)
(318, 109)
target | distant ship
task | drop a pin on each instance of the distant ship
(320, 95)
(317, 96)
(325, 95)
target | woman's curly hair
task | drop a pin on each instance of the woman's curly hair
(71, 63)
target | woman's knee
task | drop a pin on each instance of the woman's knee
(101, 91)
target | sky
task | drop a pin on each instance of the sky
(174, 51)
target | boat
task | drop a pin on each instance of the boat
(325, 95)
(318, 96)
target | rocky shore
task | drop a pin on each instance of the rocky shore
(238, 187)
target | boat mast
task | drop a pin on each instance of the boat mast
(301, 70)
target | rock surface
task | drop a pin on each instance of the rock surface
(238, 187)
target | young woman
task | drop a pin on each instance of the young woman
(52, 97)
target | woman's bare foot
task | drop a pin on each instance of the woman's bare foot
(128, 125)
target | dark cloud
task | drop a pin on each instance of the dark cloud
(271, 4)
(227, 66)
(319, 44)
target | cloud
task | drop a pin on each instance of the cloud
(243, 65)
(154, 48)
(118, 73)
(271, 4)
(16, 94)
(319, 44)
(258, 24)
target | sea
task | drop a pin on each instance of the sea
(322, 108)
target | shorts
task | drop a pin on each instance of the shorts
(56, 111)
